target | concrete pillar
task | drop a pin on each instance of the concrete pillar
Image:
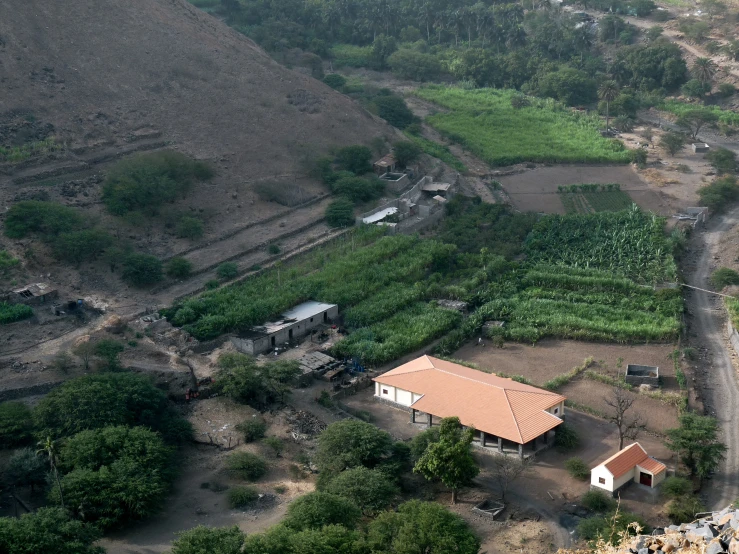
(520, 450)
(500, 444)
(429, 422)
(413, 415)
(482, 438)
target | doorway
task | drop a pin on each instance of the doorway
(290, 335)
(273, 341)
(645, 479)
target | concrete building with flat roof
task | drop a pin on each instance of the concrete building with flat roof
(292, 325)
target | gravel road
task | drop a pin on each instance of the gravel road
(720, 390)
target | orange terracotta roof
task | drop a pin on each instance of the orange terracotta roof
(495, 405)
(631, 456)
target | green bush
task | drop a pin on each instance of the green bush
(81, 246)
(358, 189)
(723, 160)
(577, 468)
(394, 110)
(252, 429)
(146, 181)
(48, 219)
(406, 152)
(566, 438)
(317, 509)
(335, 81)
(141, 270)
(593, 528)
(108, 350)
(48, 530)
(370, 489)
(26, 468)
(421, 441)
(355, 159)
(212, 284)
(683, 508)
(227, 270)
(340, 213)
(726, 90)
(719, 194)
(597, 501)
(179, 267)
(276, 444)
(723, 277)
(246, 465)
(209, 540)
(189, 227)
(15, 424)
(411, 64)
(273, 249)
(674, 487)
(238, 497)
(14, 312)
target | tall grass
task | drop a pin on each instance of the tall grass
(17, 154)
(729, 117)
(484, 121)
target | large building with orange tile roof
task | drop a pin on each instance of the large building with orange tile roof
(506, 415)
(630, 464)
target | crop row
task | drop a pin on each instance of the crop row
(382, 305)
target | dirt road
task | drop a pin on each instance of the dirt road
(719, 376)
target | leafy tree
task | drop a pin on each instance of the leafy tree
(246, 465)
(411, 64)
(316, 509)
(723, 160)
(81, 246)
(628, 426)
(608, 92)
(382, 47)
(420, 527)
(15, 424)
(240, 378)
(329, 539)
(48, 530)
(651, 66)
(566, 438)
(115, 474)
(450, 459)
(340, 213)
(719, 194)
(108, 350)
(95, 401)
(696, 443)
(142, 270)
(209, 540)
(695, 119)
(370, 489)
(406, 152)
(653, 33)
(179, 267)
(227, 270)
(355, 159)
(672, 142)
(726, 90)
(47, 219)
(568, 85)
(421, 441)
(642, 8)
(350, 443)
(252, 429)
(394, 110)
(358, 189)
(695, 89)
(25, 468)
(704, 70)
(146, 181)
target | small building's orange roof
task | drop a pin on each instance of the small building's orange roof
(495, 405)
(628, 458)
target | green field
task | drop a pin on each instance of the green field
(484, 121)
(437, 151)
(592, 202)
(678, 108)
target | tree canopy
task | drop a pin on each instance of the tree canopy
(209, 540)
(696, 443)
(370, 489)
(316, 509)
(240, 378)
(351, 443)
(48, 530)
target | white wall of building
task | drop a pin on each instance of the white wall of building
(403, 397)
(395, 394)
(558, 409)
(602, 478)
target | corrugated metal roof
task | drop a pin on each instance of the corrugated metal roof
(496, 405)
(378, 216)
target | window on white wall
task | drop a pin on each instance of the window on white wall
(602, 480)
(384, 391)
(556, 411)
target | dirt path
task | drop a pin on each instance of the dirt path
(720, 383)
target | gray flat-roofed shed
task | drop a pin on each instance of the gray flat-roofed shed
(292, 325)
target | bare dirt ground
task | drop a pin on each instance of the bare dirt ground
(716, 374)
(536, 189)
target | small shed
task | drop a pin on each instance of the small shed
(700, 147)
(386, 164)
(632, 464)
(642, 375)
(36, 293)
(436, 189)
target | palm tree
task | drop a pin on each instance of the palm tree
(608, 92)
(704, 70)
(48, 448)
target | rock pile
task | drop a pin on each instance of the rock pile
(717, 533)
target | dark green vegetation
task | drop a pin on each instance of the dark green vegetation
(246, 465)
(15, 423)
(147, 181)
(240, 378)
(610, 525)
(48, 530)
(340, 213)
(724, 277)
(14, 312)
(594, 198)
(719, 194)
(696, 443)
(577, 468)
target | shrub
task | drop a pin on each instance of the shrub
(358, 189)
(726, 90)
(723, 160)
(674, 487)
(577, 468)
(48, 219)
(146, 181)
(411, 64)
(14, 312)
(683, 508)
(597, 501)
(273, 249)
(370, 489)
(335, 81)
(672, 142)
(238, 497)
(212, 284)
(605, 527)
(723, 277)
(209, 540)
(246, 465)
(108, 350)
(638, 156)
(81, 246)
(227, 270)
(317, 509)
(406, 152)
(394, 110)
(26, 468)
(695, 89)
(719, 194)
(275, 444)
(141, 270)
(252, 429)
(15, 424)
(179, 267)
(189, 227)
(340, 213)
(355, 159)
(48, 530)
(566, 438)
(349, 443)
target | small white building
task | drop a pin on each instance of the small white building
(292, 325)
(632, 464)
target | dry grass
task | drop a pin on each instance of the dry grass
(654, 177)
